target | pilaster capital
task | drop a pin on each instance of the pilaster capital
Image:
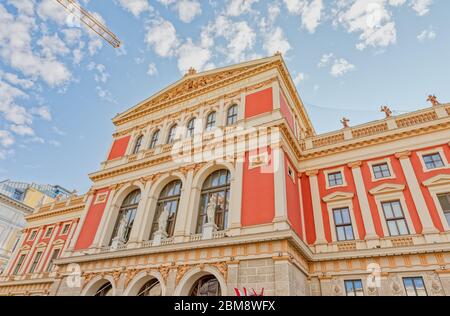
(312, 173)
(355, 164)
(403, 155)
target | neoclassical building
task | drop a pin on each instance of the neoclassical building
(219, 182)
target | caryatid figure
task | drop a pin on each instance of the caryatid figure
(211, 209)
(163, 219)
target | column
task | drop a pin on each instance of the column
(236, 198)
(317, 207)
(184, 211)
(139, 220)
(416, 192)
(279, 175)
(361, 193)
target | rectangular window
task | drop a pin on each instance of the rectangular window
(354, 288)
(19, 264)
(65, 229)
(415, 286)
(48, 232)
(381, 171)
(395, 218)
(35, 261)
(344, 229)
(335, 179)
(53, 258)
(444, 200)
(433, 161)
(33, 235)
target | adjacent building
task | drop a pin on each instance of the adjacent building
(17, 200)
(219, 182)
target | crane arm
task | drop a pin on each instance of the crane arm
(89, 20)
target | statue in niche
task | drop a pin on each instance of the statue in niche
(121, 231)
(211, 209)
(163, 219)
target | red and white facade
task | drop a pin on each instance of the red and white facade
(362, 210)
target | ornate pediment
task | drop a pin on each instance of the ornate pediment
(338, 196)
(387, 188)
(193, 84)
(441, 179)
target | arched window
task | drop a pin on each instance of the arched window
(169, 199)
(210, 121)
(127, 214)
(151, 288)
(232, 115)
(216, 188)
(138, 144)
(206, 286)
(104, 290)
(155, 138)
(191, 128)
(172, 134)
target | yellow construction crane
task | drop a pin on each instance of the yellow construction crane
(75, 9)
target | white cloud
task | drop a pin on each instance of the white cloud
(191, 55)
(428, 34)
(43, 112)
(276, 41)
(339, 66)
(239, 7)
(188, 10)
(162, 37)
(136, 7)
(299, 78)
(22, 130)
(6, 139)
(310, 12)
(152, 70)
(422, 7)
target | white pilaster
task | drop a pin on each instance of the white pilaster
(183, 209)
(140, 215)
(317, 208)
(361, 193)
(281, 214)
(416, 192)
(236, 198)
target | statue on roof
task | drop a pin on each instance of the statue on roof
(191, 71)
(433, 99)
(345, 122)
(386, 111)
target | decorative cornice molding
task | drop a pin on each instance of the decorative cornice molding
(441, 179)
(312, 173)
(387, 188)
(338, 196)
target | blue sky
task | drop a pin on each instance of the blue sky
(60, 85)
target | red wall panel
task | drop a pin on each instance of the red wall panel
(119, 148)
(91, 222)
(284, 108)
(258, 196)
(308, 213)
(259, 103)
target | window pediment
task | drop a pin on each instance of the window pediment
(387, 188)
(338, 196)
(441, 179)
